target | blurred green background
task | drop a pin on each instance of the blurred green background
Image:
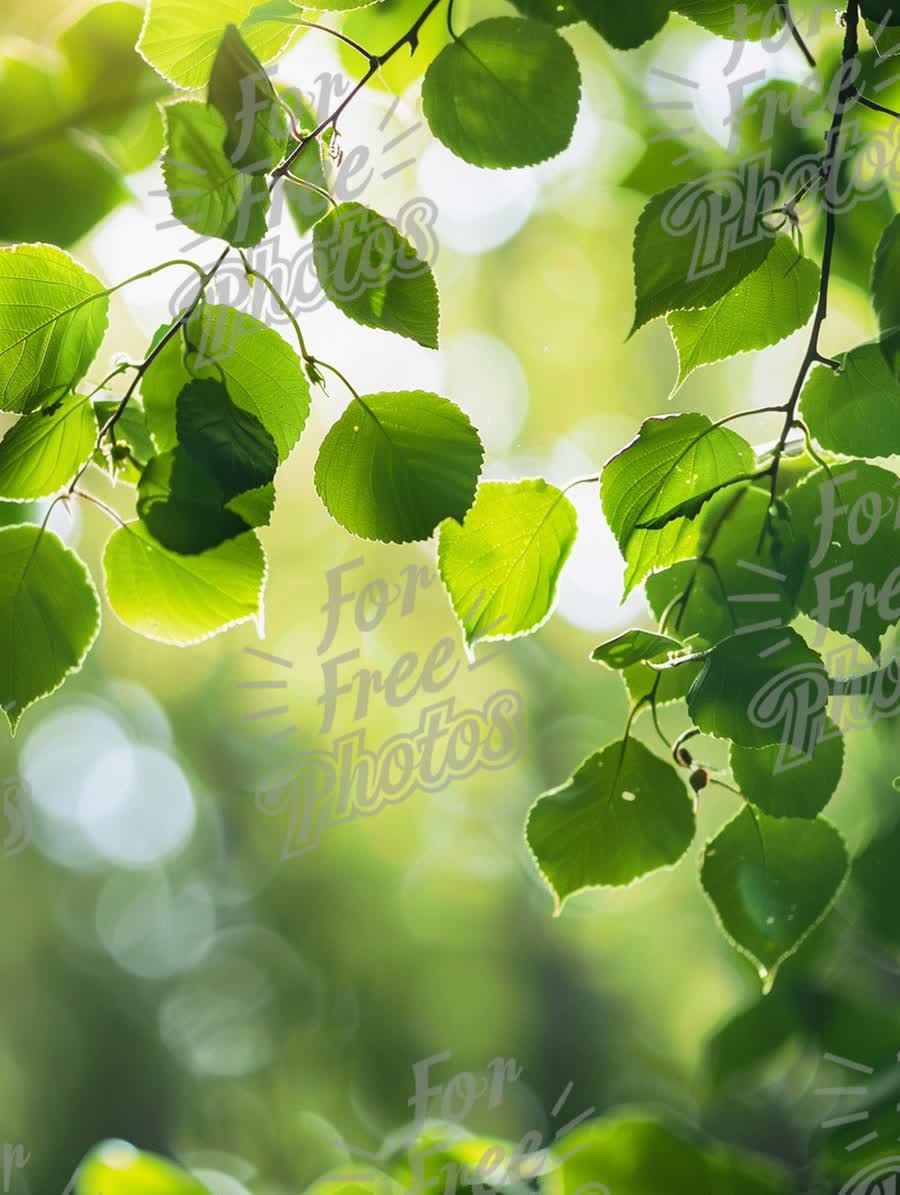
(167, 976)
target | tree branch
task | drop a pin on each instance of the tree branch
(831, 166)
(785, 9)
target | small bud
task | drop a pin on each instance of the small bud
(699, 780)
(683, 757)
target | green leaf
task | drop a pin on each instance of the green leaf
(183, 506)
(261, 372)
(255, 507)
(373, 274)
(49, 615)
(768, 305)
(780, 120)
(623, 814)
(133, 449)
(856, 409)
(229, 442)
(885, 298)
(876, 882)
(882, 12)
(382, 24)
(208, 193)
(181, 40)
(241, 91)
(552, 12)
(356, 1180)
(504, 94)
(848, 524)
(751, 19)
(730, 585)
(185, 495)
(671, 685)
(749, 1038)
(625, 26)
(771, 881)
(38, 166)
(340, 5)
(676, 269)
(501, 567)
(104, 77)
(396, 465)
(635, 1154)
(802, 789)
(182, 599)
(672, 461)
(306, 206)
(759, 689)
(43, 452)
(633, 647)
(117, 1168)
(52, 321)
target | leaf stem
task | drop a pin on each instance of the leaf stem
(831, 166)
(785, 9)
(409, 38)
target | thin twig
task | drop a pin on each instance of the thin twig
(795, 32)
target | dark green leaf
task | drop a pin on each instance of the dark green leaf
(675, 268)
(239, 88)
(552, 12)
(802, 789)
(751, 19)
(848, 525)
(373, 274)
(749, 1038)
(855, 410)
(396, 465)
(206, 191)
(633, 647)
(262, 373)
(886, 293)
(230, 443)
(771, 881)
(623, 814)
(504, 94)
(761, 689)
(730, 586)
(625, 26)
(183, 506)
(876, 881)
(882, 12)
